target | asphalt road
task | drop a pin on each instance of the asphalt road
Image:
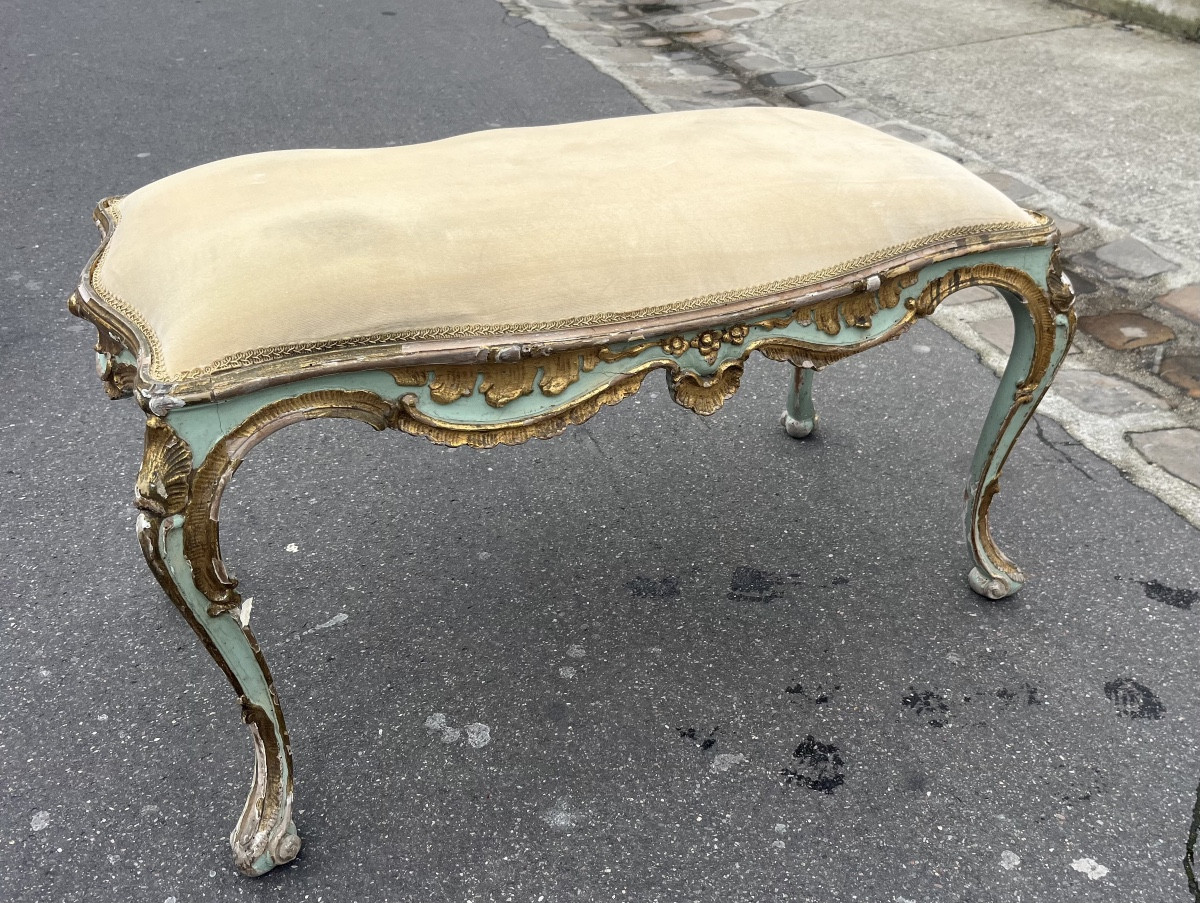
(713, 663)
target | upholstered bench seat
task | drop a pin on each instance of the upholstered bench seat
(515, 231)
(502, 286)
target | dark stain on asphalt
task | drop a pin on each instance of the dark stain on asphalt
(1026, 692)
(753, 585)
(705, 743)
(820, 766)
(818, 694)
(927, 703)
(1173, 596)
(647, 587)
(1134, 699)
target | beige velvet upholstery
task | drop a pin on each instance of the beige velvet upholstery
(519, 228)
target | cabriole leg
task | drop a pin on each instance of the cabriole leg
(1044, 324)
(800, 418)
(265, 835)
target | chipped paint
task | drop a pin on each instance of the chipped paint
(244, 611)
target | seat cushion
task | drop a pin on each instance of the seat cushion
(519, 230)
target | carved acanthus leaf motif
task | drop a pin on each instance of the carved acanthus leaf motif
(409, 376)
(502, 383)
(560, 371)
(856, 310)
(164, 481)
(452, 383)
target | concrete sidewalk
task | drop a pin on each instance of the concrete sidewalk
(1066, 111)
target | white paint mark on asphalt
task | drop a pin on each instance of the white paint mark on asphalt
(1009, 860)
(778, 844)
(143, 155)
(291, 547)
(332, 622)
(478, 735)
(40, 820)
(726, 761)
(1090, 867)
(567, 672)
(575, 651)
(33, 286)
(563, 815)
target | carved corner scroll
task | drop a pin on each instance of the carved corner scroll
(201, 537)
(118, 376)
(1043, 306)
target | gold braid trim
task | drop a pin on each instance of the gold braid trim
(716, 299)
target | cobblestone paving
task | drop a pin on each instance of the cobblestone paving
(1130, 391)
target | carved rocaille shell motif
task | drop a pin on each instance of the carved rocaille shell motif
(163, 483)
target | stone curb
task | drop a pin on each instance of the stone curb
(1131, 387)
(1176, 17)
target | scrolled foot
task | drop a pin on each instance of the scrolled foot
(279, 849)
(994, 587)
(797, 429)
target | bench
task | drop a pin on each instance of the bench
(501, 286)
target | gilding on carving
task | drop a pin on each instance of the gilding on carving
(164, 480)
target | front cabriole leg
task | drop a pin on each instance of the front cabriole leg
(178, 529)
(1044, 324)
(265, 835)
